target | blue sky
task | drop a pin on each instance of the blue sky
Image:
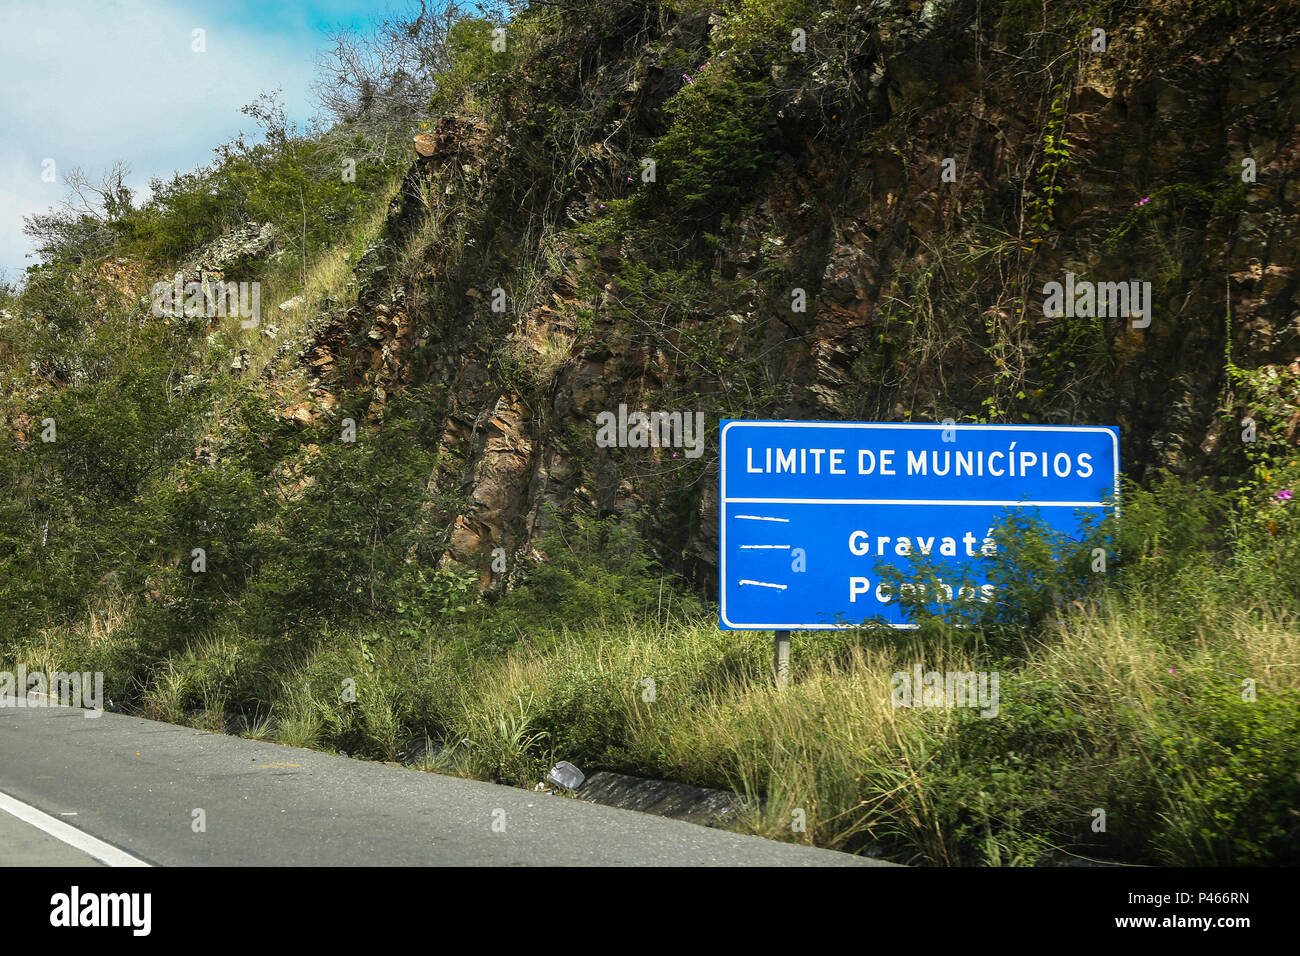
(84, 84)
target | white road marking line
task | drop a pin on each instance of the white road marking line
(87, 844)
(764, 584)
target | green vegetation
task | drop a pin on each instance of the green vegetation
(201, 526)
(715, 147)
(1132, 691)
(1056, 158)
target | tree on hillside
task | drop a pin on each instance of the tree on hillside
(374, 88)
(88, 220)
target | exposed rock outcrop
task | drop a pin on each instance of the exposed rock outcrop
(923, 290)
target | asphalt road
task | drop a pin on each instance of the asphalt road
(25, 844)
(136, 785)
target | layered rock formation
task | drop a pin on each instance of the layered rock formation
(921, 193)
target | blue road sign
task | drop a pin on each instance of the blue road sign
(808, 510)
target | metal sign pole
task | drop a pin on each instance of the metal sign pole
(781, 659)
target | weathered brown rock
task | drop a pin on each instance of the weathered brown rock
(425, 145)
(923, 296)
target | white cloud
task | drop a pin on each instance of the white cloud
(89, 83)
(19, 198)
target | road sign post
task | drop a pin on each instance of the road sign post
(808, 511)
(781, 658)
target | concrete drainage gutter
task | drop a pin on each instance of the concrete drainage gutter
(660, 797)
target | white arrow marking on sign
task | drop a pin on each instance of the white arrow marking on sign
(764, 584)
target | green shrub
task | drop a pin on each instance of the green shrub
(717, 143)
(597, 570)
(1230, 781)
(475, 69)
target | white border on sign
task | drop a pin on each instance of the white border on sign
(723, 500)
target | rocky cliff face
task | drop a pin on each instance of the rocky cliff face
(924, 171)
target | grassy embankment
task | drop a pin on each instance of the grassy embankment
(1165, 695)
